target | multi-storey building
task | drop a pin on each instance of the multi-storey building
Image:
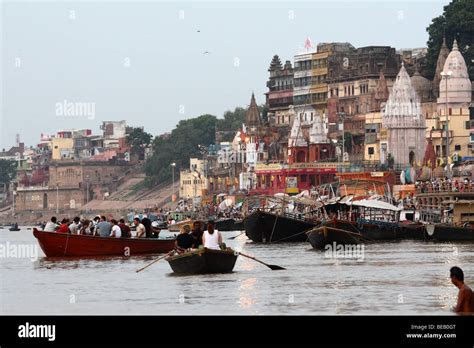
(280, 92)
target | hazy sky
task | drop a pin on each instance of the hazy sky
(144, 62)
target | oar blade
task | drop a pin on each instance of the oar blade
(276, 267)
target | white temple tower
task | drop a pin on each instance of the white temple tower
(405, 122)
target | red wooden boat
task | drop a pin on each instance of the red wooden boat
(56, 244)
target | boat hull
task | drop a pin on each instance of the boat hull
(322, 236)
(225, 225)
(56, 244)
(447, 233)
(203, 261)
(262, 227)
(412, 231)
(374, 230)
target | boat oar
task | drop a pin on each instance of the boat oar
(151, 263)
(236, 236)
(272, 267)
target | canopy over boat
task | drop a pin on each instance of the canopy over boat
(374, 204)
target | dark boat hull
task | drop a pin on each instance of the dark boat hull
(14, 229)
(322, 236)
(412, 231)
(239, 225)
(56, 244)
(225, 225)
(447, 233)
(203, 261)
(262, 227)
(373, 230)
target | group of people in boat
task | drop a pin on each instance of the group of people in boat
(196, 237)
(103, 227)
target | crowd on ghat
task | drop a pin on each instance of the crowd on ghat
(102, 227)
(445, 184)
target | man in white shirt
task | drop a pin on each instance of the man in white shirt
(52, 225)
(74, 227)
(141, 231)
(116, 231)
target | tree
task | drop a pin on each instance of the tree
(232, 121)
(7, 171)
(456, 22)
(138, 139)
(179, 146)
(263, 113)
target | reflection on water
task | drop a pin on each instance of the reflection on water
(246, 289)
(409, 277)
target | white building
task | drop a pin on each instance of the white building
(405, 122)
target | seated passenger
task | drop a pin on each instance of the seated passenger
(141, 232)
(52, 225)
(184, 240)
(75, 226)
(64, 227)
(103, 228)
(116, 231)
(126, 233)
(211, 238)
(85, 229)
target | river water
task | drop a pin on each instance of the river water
(408, 277)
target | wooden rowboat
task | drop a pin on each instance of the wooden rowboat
(203, 261)
(56, 244)
(319, 237)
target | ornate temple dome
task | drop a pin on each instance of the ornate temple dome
(403, 104)
(459, 85)
(422, 86)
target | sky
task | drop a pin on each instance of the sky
(68, 64)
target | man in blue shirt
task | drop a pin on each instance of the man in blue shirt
(104, 227)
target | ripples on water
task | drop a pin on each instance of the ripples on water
(409, 277)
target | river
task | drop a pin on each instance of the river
(407, 277)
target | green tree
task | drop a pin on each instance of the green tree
(179, 146)
(232, 121)
(263, 113)
(7, 171)
(456, 22)
(138, 139)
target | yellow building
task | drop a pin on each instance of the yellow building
(192, 182)
(62, 148)
(459, 131)
(374, 136)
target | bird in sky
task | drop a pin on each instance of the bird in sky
(206, 52)
(198, 31)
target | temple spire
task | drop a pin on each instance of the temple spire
(455, 45)
(443, 54)
(252, 116)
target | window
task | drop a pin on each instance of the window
(304, 178)
(457, 147)
(450, 111)
(371, 150)
(468, 125)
